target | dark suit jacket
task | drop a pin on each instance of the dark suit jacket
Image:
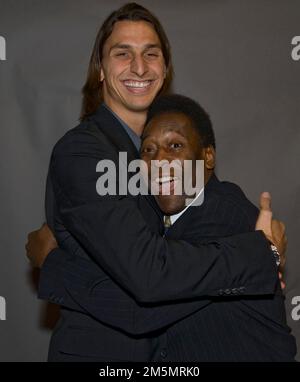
(113, 246)
(232, 328)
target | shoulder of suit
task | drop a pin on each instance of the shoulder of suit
(85, 133)
(232, 194)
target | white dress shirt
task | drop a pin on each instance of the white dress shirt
(177, 216)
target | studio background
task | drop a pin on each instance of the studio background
(233, 56)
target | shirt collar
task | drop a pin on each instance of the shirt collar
(177, 216)
(136, 140)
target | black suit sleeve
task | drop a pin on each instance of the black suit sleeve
(149, 267)
(81, 286)
(89, 292)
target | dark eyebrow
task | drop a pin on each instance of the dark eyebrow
(143, 137)
(120, 46)
(150, 46)
(127, 46)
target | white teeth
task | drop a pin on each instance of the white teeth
(165, 179)
(137, 84)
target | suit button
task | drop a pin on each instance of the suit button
(242, 289)
(163, 353)
(227, 291)
(221, 292)
(234, 291)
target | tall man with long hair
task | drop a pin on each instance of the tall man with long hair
(130, 65)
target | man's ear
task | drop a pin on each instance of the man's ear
(165, 72)
(210, 157)
(101, 75)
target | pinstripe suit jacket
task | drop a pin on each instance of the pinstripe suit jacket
(230, 328)
(120, 284)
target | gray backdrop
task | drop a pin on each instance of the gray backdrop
(234, 56)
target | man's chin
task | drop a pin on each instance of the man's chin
(170, 204)
(139, 105)
(139, 102)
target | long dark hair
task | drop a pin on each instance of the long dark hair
(92, 89)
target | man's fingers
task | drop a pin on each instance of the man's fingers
(282, 226)
(279, 240)
(265, 201)
(39, 244)
(264, 220)
(278, 231)
(276, 226)
(273, 229)
(282, 283)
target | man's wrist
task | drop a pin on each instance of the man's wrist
(274, 249)
(276, 253)
(53, 257)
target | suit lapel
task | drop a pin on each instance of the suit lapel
(111, 127)
(115, 132)
(191, 217)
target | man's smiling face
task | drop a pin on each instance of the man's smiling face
(133, 67)
(172, 136)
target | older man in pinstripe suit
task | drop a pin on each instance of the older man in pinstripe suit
(231, 327)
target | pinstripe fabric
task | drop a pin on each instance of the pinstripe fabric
(229, 328)
(101, 321)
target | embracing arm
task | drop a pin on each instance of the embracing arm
(81, 286)
(151, 268)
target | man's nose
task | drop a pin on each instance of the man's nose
(139, 65)
(162, 154)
